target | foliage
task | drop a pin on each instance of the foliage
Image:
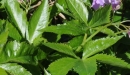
(63, 37)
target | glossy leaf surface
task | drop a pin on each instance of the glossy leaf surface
(38, 21)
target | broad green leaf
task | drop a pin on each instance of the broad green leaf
(86, 67)
(70, 29)
(101, 16)
(61, 66)
(78, 9)
(18, 52)
(14, 69)
(13, 32)
(63, 48)
(107, 31)
(3, 72)
(38, 21)
(17, 16)
(95, 46)
(107, 59)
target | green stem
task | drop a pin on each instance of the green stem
(89, 38)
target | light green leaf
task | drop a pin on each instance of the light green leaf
(70, 29)
(18, 52)
(78, 9)
(3, 72)
(107, 59)
(61, 66)
(14, 69)
(16, 15)
(63, 48)
(101, 16)
(86, 67)
(38, 21)
(95, 46)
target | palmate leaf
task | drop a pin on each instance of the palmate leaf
(17, 16)
(70, 29)
(61, 66)
(14, 69)
(38, 21)
(78, 10)
(95, 46)
(63, 48)
(18, 52)
(86, 67)
(101, 16)
(107, 59)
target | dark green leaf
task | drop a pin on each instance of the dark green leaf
(38, 21)
(101, 16)
(16, 15)
(62, 66)
(14, 69)
(78, 9)
(95, 46)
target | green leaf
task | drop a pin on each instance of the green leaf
(18, 52)
(13, 32)
(17, 16)
(61, 66)
(3, 34)
(86, 67)
(3, 72)
(38, 21)
(101, 16)
(14, 69)
(41, 55)
(107, 59)
(78, 9)
(107, 31)
(71, 29)
(95, 46)
(74, 43)
(63, 48)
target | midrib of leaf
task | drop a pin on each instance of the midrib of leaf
(77, 11)
(38, 21)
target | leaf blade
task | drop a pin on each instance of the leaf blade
(61, 66)
(38, 21)
(76, 7)
(96, 46)
(17, 16)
